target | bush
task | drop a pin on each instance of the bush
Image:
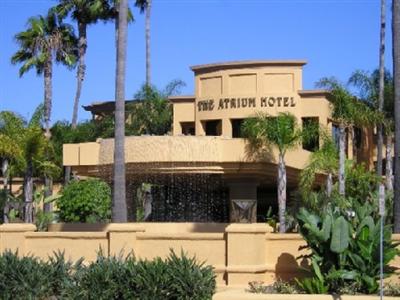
(31, 278)
(87, 201)
(175, 278)
(345, 249)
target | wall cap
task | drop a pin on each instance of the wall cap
(125, 227)
(248, 228)
(241, 294)
(67, 235)
(17, 227)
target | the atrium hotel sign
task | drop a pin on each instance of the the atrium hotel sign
(243, 102)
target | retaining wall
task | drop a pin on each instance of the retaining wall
(239, 252)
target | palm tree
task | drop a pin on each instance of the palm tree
(381, 86)
(11, 127)
(147, 5)
(30, 142)
(84, 13)
(396, 76)
(368, 85)
(46, 39)
(119, 208)
(283, 133)
(324, 160)
(347, 111)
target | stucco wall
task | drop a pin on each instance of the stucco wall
(239, 252)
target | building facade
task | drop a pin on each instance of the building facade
(205, 171)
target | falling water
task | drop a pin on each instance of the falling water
(181, 188)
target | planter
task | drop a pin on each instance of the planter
(241, 294)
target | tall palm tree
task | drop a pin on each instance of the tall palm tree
(347, 111)
(119, 208)
(147, 4)
(45, 40)
(368, 85)
(283, 133)
(381, 86)
(396, 76)
(84, 13)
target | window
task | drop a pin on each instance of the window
(188, 128)
(311, 144)
(358, 137)
(213, 128)
(237, 128)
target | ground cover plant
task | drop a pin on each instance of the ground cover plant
(113, 277)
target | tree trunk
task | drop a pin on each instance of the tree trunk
(396, 79)
(389, 163)
(48, 94)
(148, 61)
(80, 76)
(119, 208)
(28, 193)
(329, 184)
(381, 87)
(282, 194)
(48, 182)
(342, 159)
(4, 171)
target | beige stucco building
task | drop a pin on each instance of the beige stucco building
(205, 170)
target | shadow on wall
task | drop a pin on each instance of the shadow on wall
(174, 227)
(287, 267)
(258, 152)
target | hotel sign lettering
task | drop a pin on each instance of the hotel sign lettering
(250, 102)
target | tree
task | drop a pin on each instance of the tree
(30, 143)
(381, 85)
(46, 39)
(152, 114)
(11, 127)
(396, 76)
(148, 66)
(324, 160)
(119, 208)
(84, 13)
(347, 111)
(368, 85)
(145, 5)
(283, 133)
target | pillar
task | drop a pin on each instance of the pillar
(12, 237)
(246, 253)
(122, 238)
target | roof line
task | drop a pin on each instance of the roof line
(246, 64)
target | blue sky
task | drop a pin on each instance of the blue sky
(336, 37)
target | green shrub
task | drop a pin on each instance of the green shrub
(30, 278)
(87, 201)
(176, 277)
(345, 249)
(115, 277)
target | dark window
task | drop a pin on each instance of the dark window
(358, 137)
(237, 128)
(213, 128)
(188, 128)
(311, 143)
